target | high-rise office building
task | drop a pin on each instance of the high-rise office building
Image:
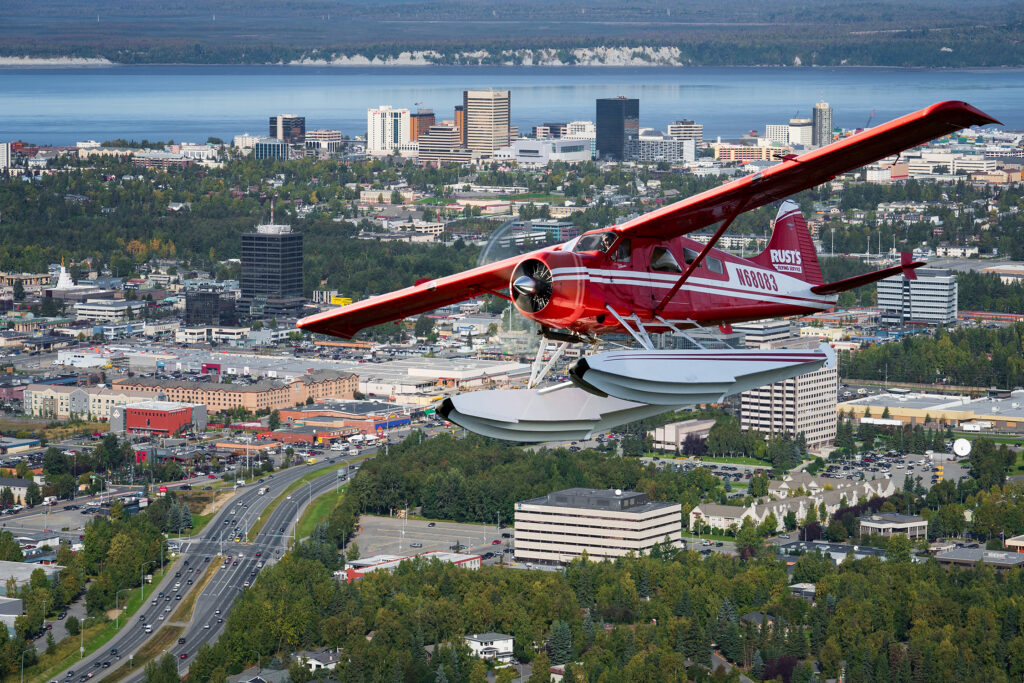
(930, 299)
(288, 127)
(801, 132)
(687, 130)
(805, 404)
(209, 307)
(386, 130)
(822, 124)
(618, 125)
(487, 115)
(420, 122)
(5, 155)
(460, 121)
(271, 263)
(777, 132)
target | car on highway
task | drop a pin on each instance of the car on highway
(149, 629)
(183, 655)
(206, 626)
(431, 524)
(417, 544)
(495, 542)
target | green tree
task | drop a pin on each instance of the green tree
(162, 670)
(748, 541)
(10, 550)
(19, 290)
(274, 421)
(33, 494)
(541, 669)
(72, 625)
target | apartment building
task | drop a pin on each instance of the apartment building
(561, 526)
(65, 402)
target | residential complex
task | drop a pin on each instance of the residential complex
(386, 130)
(561, 526)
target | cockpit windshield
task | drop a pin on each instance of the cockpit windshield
(601, 241)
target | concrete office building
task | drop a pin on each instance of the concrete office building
(108, 310)
(686, 130)
(760, 334)
(654, 146)
(289, 128)
(618, 125)
(5, 155)
(442, 143)
(557, 528)
(386, 130)
(420, 122)
(777, 132)
(821, 118)
(270, 148)
(272, 267)
(323, 138)
(487, 118)
(930, 299)
(801, 132)
(805, 404)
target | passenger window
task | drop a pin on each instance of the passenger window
(662, 260)
(713, 264)
(689, 255)
(624, 253)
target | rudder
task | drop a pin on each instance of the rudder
(791, 250)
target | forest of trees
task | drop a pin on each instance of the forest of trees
(977, 357)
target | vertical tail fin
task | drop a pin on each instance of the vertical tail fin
(791, 250)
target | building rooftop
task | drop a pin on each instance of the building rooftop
(490, 636)
(892, 518)
(997, 558)
(598, 499)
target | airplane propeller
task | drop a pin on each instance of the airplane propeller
(531, 286)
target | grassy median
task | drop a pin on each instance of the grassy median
(164, 638)
(301, 481)
(184, 611)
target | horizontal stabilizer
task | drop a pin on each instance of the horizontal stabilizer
(906, 268)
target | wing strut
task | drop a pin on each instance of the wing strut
(700, 257)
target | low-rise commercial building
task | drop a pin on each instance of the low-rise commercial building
(671, 437)
(108, 310)
(561, 526)
(890, 523)
(158, 418)
(356, 569)
(969, 558)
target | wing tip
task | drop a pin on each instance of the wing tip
(970, 115)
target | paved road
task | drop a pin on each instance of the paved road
(220, 593)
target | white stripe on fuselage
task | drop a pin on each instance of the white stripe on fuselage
(790, 290)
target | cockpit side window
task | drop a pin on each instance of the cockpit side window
(663, 261)
(689, 255)
(601, 241)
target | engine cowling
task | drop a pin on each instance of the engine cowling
(551, 288)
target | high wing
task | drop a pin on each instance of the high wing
(346, 321)
(792, 175)
(799, 173)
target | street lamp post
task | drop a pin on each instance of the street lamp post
(23, 653)
(117, 620)
(142, 579)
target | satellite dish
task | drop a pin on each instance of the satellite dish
(962, 447)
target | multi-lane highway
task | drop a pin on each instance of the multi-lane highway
(233, 575)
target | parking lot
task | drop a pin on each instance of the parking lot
(897, 467)
(394, 536)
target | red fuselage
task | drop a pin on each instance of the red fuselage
(634, 277)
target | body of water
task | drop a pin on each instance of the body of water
(191, 103)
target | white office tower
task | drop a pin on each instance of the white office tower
(777, 132)
(931, 299)
(386, 130)
(821, 134)
(5, 155)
